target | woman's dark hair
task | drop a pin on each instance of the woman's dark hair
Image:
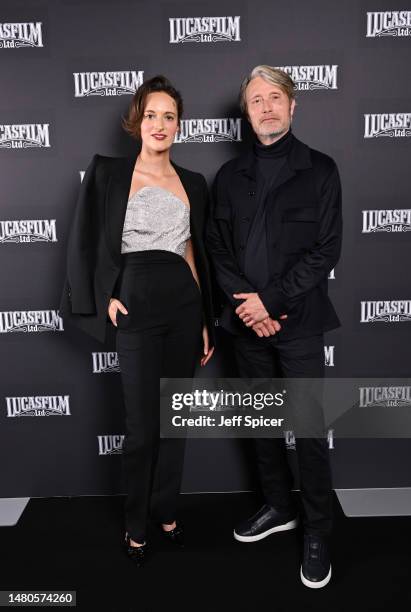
(135, 115)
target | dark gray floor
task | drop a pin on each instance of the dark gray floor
(75, 543)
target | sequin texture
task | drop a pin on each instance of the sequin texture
(155, 219)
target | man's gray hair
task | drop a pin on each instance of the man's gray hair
(271, 75)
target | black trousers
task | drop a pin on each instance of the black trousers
(159, 337)
(299, 358)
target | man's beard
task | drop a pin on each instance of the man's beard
(275, 133)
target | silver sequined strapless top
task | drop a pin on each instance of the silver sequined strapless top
(155, 219)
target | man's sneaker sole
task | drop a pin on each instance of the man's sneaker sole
(315, 585)
(290, 525)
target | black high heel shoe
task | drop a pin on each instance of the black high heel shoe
(138, 554)
(175, 536)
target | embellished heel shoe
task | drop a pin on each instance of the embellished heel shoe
(175, 536)
(138, 554)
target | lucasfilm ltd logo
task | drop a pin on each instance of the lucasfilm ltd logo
(30, 321)
(15, 35)
(312, 77)
(393, 125)
(30, 230)
(385, 220)
(110, 444)
(209, 130)
(109, 83)
(388, 23)
(290, 439)
(24, 136)
(387, 311)
(204, 29)
(385, 396)
(329, 356)
(38, 405)
(104, 362)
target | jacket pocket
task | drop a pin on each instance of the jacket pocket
(299, 229)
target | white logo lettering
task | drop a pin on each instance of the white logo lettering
(204, 29)
(329, 356)
(388, 311)
(30, 321)
(312, 77)
(39, 405)
(394, 125)
(385, 396)
(24, 136)
(105, 362)
(15, 35)
(389, 23)
(31, 230)
(107, 83)
(385, 220)
(290, 439)
(110, 444)
(209, 130)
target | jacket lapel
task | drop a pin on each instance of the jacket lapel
(118, 188)
(192, 193)
(286, 173)
(298, 158)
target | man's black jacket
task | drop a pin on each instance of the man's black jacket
(94, 248)
(304, 232)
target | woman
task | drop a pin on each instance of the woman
(136, 260)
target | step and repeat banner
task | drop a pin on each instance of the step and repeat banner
(68, 71)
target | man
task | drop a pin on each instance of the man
(274, 235)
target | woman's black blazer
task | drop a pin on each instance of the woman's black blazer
(93, 252)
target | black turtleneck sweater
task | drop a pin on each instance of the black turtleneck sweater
(270, 158)
(269, 161)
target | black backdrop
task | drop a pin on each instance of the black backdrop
(65, 69)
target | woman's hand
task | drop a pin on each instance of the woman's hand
(208, 352)
(113, 307)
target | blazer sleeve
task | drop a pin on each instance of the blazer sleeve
(220, 246)
(80, 250)
(204, 271)
(317, 263)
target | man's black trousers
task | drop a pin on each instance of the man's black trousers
(299, 358)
